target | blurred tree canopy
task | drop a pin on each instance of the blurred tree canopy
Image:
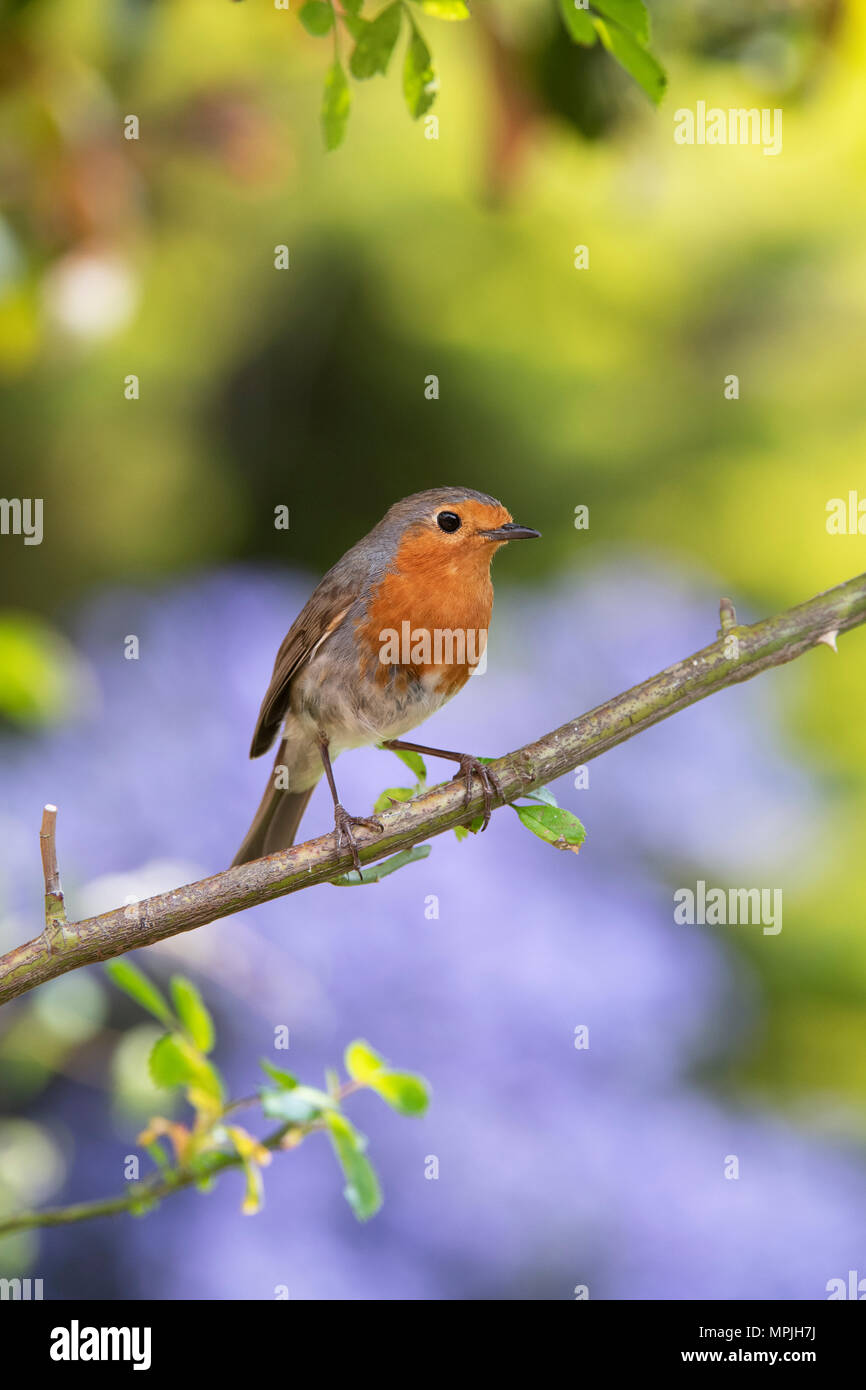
(155, 256)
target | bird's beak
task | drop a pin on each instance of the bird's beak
(511, 532)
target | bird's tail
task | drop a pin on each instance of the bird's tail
(276, 822)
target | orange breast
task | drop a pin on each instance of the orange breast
(437, 593)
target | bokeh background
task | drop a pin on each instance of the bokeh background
(558, 1167)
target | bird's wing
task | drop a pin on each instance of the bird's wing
(322, 614)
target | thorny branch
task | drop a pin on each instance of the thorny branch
(739, 653)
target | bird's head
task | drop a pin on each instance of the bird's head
(451, 528)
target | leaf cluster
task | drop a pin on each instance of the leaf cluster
(621, 26)
(211, 1141)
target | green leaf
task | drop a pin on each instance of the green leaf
(472, 828)
(254, 1192)
(354, 25)
(400, 1089)
(372, 873)
(404, 1092)
(362, 1061)
(317, 17)
(413, 761)
(135, 983)
(192, 1013)
(362, 1190)
(175, 1062)
(445, 9)
(351, 17)
(253, 1156)
(376, 42)
(578, 23)
(544, 795)
(554, 824)
(168, 1063)
(282, 1078)
(631, 15)
(640, 64)
(419, 78)
(300, 1104)
(336, 104)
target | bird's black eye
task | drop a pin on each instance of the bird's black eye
(448, 521)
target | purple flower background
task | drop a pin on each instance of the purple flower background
(557, 1167)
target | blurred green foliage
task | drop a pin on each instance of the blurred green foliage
(41, 678)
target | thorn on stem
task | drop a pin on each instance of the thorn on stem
(55, 910)
(829, 639)
(727, 616)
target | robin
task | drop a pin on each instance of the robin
(388, 636)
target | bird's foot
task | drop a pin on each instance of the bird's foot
(343, 831)
(473, 767)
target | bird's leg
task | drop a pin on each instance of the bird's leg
(469, 767)
(343, 822)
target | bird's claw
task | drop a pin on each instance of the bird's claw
(343, 824)
(473, 767)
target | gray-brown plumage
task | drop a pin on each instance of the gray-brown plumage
(330, 691)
